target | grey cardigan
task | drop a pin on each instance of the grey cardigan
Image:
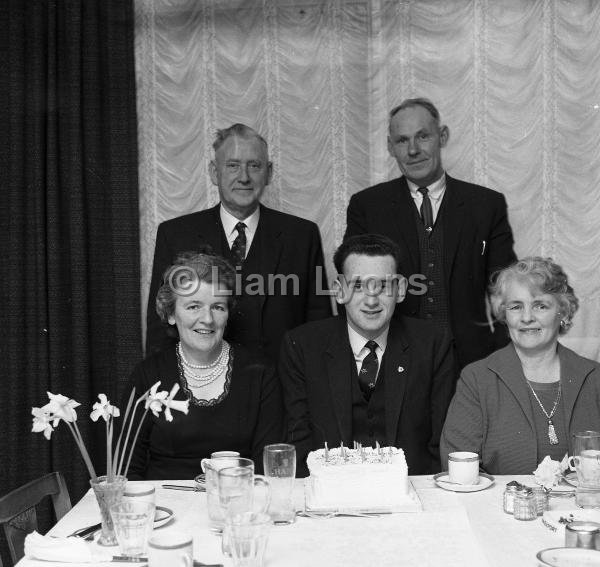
(491, 412)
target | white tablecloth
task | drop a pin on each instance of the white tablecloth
(453, 530)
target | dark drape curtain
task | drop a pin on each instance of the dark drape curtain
(70, 315)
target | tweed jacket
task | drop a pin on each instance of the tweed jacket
(477, 241)
(316, 373)
(289, 246)
(491, 412)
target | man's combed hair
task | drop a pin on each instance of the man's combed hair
(239, 130)
(541, 274)
(367, 245)
(420, 101)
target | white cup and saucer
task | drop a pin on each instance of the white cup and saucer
(463, 474)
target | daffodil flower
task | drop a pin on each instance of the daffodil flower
(41, 422)
(61, 407)
(154, 401)
(178, 405)
(104, 409)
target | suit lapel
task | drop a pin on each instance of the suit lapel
(572, 375)
(454, 211)
(212, 232)
(396, 367)
(269, 235)
(510, 371)
(338, 361)
(400, 210)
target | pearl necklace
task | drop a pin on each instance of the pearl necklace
(195, 380)
(202, 366)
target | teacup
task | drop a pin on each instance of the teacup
(171, 548)
(463, 467)
(217, 455)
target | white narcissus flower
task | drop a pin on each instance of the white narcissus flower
(154, 401)
(41, 422)
(177, 405)
(104, 409)
(61, 407)
(548, 473)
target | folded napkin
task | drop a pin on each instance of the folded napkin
(63, 549)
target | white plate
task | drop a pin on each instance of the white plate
(568, 557)
(162, 516)
(552, 518)
(485, 481)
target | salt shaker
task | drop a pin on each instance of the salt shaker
(540, 495)
(525, 507)
(509, 496)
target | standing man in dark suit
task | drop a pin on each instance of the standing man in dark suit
(362, 376)
(454, 234)
(278, 257)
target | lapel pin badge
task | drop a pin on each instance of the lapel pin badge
(400, 368)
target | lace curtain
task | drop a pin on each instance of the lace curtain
(516, 81)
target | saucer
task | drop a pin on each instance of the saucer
(568, 557)
(162, 516)
(442, 480)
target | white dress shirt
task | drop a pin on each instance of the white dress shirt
(436, 194)
(359, 349)
(229, 221)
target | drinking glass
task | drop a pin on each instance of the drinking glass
(212, 466)
(586, 461)
(238, 494)
(279, 463)
(249, 533)
(133, 523)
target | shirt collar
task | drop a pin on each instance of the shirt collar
(358, 342)
(436, 189)
(229, 221)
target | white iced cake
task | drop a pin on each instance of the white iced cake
(366, 479)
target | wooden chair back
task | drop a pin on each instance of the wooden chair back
(17, 509)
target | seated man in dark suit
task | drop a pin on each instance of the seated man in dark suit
(453, 234)
(362, 376)
(278, 257)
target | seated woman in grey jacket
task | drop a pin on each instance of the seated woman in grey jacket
(526, 400)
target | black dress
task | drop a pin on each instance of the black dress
(248, 416)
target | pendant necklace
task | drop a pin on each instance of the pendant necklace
(552, 437)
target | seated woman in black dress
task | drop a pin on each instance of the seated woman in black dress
(235, 396)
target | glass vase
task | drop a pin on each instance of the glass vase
(107, 494)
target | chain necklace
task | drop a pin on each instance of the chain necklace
(201, 366)
(552, 437)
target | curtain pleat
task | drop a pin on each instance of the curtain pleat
(69, 225)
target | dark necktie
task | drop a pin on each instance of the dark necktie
(368, 371)
(426, 210)
(238, 248)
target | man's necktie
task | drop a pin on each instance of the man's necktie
(238, 248)
(426, 210)
(368, 371)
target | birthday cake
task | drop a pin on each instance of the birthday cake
(359, 479)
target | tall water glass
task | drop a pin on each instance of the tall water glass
(586, 461)
(249, 536)
(211, 467)
(279, 463)
(133, 523)
(238, 494)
